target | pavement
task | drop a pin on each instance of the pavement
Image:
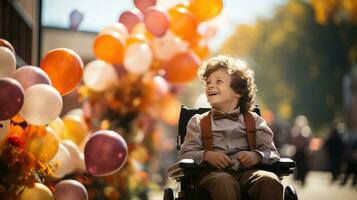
(318, 186)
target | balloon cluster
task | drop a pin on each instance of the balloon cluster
(141, 63)
(31, 129)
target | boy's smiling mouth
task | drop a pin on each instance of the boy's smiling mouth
(213, 93)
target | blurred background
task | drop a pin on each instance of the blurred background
(304, 53)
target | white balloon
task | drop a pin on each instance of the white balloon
(167, 46)
(117, 27)
(76, 111)
(61, 162)
(99, 75)
(75, 154)
(7, 62)
(4, 127)
(138, 58)
(42, 104)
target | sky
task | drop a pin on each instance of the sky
(98, 14)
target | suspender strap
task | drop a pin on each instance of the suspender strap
(206, 131)
(250, 125)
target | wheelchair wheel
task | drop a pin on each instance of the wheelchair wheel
(290, 193)
(168, 194)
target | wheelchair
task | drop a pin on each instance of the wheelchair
(185, 171)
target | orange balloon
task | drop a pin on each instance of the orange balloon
(205, 9)
(64, 67)
(201, 49)
(169, 110)
(140, 28)
(182, 67)
(136, 38)
(184, 23)
(109, 47)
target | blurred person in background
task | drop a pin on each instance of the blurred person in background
(334, 148)
(300, 136)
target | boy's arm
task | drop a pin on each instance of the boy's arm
(264, 142)
(192, 146)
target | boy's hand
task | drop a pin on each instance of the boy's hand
(218, 159)
(248, 158)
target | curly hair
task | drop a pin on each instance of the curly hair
(242, 78)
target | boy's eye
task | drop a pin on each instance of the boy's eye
(219, 81)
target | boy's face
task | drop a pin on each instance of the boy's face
(219, 92)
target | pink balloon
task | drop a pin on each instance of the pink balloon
(11, 98)
(156, 21)
(70, 190)
(31, 75)
(143, 4)
(105, 153)
(130, 18)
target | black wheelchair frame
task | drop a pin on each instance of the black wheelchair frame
(186, 171)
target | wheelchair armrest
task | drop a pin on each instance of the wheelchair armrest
(282, 167)
(183, 168)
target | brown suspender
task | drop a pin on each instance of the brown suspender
(206, 130)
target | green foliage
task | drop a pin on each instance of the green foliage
(299, 63)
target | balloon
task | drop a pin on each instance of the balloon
(4, 127)
(162, 87)
(38, 191)
(130, 18)
(166, 47)
(76, 129)
(42, 104)
(201, 49)
(105, 153)
(8, 62)
(156, 21)
(64, 67)
(61, 162)
(70, 190)
(58, 126)
(184, 24)
(99, 75)
(76, 17)
(31, 75)
(143, 4)
(43, 145)
(117, 27)
(136, 38)
(76, 111)
(182, 67)
(140, 28)
(11, 98)
(5, 43)
(74, 153)
(109, 47)
(205, 9)
(138, 58)
(169, 109)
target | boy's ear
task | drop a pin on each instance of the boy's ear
(238, 95)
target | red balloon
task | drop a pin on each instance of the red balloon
(143, 4)
(182, 67)
(11, 98)
(130, 18)
(105, 153)
(156, 21)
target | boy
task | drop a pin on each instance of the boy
(230, 90)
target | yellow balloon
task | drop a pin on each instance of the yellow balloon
(43, 145)
(58, 126)
(38, 192)
(76, 129)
